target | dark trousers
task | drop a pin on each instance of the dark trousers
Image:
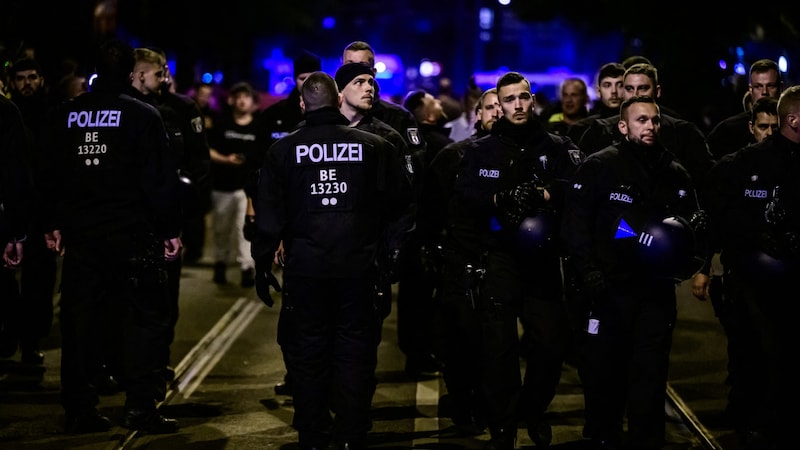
(173, 287)
(461, 336)
(329, 331)
(627, 359)
(27, 297)
(100, 286)
(417, 307)
(764, 376)
(532, 293)
(37, 281)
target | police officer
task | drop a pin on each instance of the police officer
(330, 193)
(283, 116)
(15, 185)
(113, 211)
(618, 234)
(516, 174)
(739, 334)
(459, 327)
(357, 84)
(33, 315)
(754, 205)
(187, 138)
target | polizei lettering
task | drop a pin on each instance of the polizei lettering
(339, 151)
(104, 118)
(489, 173)
(755, 193)
(620, 197)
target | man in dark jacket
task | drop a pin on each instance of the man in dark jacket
(503, 244)
(753, 199)
(330, 193)
(627, 234)
(15, 187)
(189, 146)
(283, 116)
(112, 209)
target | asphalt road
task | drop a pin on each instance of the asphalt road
(228, 361)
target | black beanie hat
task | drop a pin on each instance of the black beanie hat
(307, 62)
(347, 72)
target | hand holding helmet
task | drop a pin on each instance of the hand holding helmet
(517, 203)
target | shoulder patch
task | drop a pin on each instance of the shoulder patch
(197, 124)
(413, 136)
(575, 155)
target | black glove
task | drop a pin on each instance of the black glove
(265, 279)
(594, 282)
(699, 222)
(391, 269)
(518, 202)
(432, 258)
(780, 245)
(249, 228)
(792, 241)
(775, 213)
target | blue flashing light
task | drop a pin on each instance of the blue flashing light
(783, 64)
(740, 69)
(207, 78)
(171, 64)
(387, 66)
(328, 23)
(486, 18)
(723, 64)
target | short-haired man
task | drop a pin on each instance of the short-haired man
(328, 210)
(505, 210)
(732, 133)
(754, 207)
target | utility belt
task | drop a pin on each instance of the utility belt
(473, 280)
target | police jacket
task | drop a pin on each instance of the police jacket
(440, 179)
(754, 203)
(111, 168)
(623, 186)
(282, 116)
(187, 137)
(436, 137)
(15, 181)
(382, 129)
(400, 119)
(186, 128)
(510, 155)
(411, 166)
(729, 135)
(330, 193)
(576, 130)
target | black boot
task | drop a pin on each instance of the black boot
(540, 432)
(502, 439)
(219, 273)
(88, 421)
(148, 421)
